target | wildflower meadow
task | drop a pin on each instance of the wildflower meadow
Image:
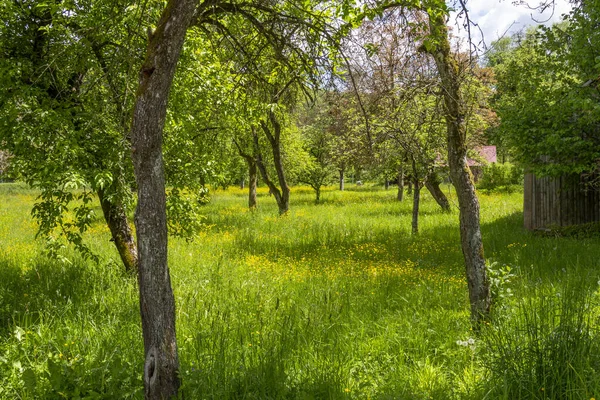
(335, 300)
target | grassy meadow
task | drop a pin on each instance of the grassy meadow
(333, 301)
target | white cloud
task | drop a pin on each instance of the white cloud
(498, 17)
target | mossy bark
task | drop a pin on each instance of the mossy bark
(432, 183)
(122, 236)
(454, 114)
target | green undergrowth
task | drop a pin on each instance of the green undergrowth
(583, 231)
(333, 301)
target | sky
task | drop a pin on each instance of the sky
(495, 17)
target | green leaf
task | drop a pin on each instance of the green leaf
(29, 379)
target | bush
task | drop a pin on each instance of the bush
(496, 176)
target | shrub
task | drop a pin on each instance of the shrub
(496, 176)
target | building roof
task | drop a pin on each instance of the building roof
(487, 154)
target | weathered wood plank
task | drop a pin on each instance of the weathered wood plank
(562, 201)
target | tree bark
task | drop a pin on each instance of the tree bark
(470, 231)
(342, 179)
(387, 184)
(281, 196)
(400, 184)
(242, 183)
(432, 183)
(251, 161)
(116, 219)
(416, 198)
(252, 183)
(157, 303)
(415, 210)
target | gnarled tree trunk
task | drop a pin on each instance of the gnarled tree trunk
(116, 219)
(157, 303)
(273, 189)
(470, 231)
(432, 183)
(281, 196)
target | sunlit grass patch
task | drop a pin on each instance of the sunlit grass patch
(334, 300)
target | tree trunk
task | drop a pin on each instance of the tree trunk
(157, 303)
(252, 183)
(470, 231)
(416, 198)
(415, 210)
(400, 184)
(273, 189)
(410, 187)
(251, 161)
(318, 193)
(283, 197)
(387, 184)
(243, 183)
(342, 179)
(433, 185)
(116, 219)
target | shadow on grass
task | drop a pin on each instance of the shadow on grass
(46, 287)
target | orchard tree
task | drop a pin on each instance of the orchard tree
(317, 127)
(155, 80)
(350, 148)
(452, 76)
(67, 91)
(547, 97)
(399, 85)
(432, 16)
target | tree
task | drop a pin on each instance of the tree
(431, 16)
(317, 129)
(350, 148)
(398, 85)
(272, 129)
(437, 44)
(155, 80)
(64, 108)
(547, 97)
(157, 303)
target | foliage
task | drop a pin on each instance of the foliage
(582, 231)
(66, 87)
(547, 96)
(500, 277)
(317, 128)
(496, 176)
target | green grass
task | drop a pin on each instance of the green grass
(333, 301)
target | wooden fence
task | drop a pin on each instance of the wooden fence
(563, 201)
